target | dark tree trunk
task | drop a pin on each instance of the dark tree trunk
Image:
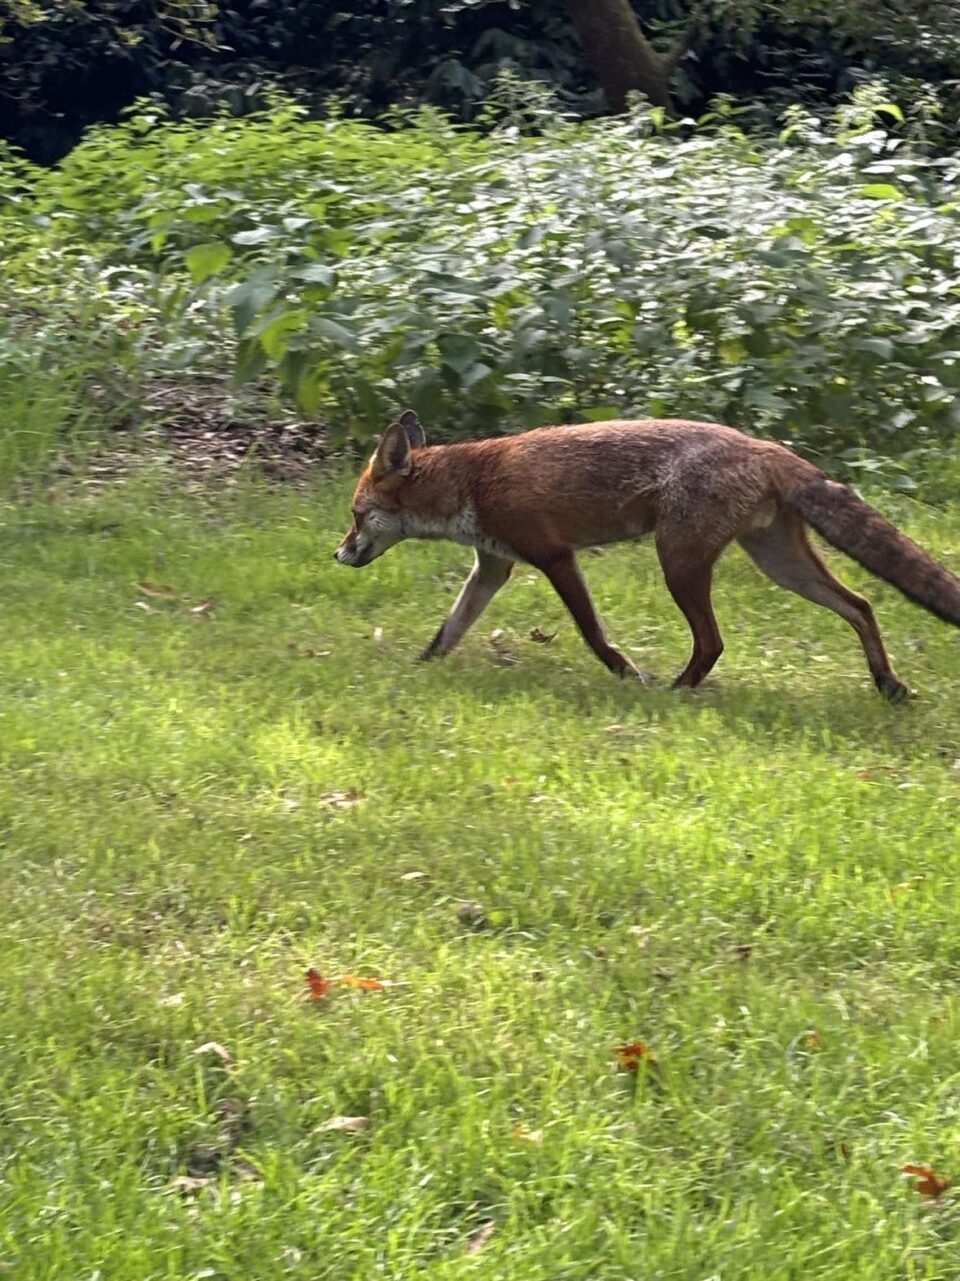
(621, 56)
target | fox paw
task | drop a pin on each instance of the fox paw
(892, 688)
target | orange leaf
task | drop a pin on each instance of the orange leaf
(630, 1055)
(524, 1135)
(318, 985)
(541, 637)
(367, 985)
(158, 590)
(928, 1183)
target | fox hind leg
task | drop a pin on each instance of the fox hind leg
(689, 583)
(488, 575)
(784, 553)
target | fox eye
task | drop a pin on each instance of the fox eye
(358, 519)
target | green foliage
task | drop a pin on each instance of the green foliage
(803, 287)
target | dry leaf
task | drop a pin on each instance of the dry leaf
(524, 1135)
(142, 604)
(349, 1123)
(214, 1047)
(630, 1055)
(412, 876)
(869, 770)
(318, 985)
(472, 914)
(928, 1182)
(366, 985)
(155, 589)
(504, 654)
(202, 606)
(378, 633)
(479, 1238)
(542, 638)
(304, 651)
(188, 1183)
(342, 800)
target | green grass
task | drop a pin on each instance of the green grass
(717, 873)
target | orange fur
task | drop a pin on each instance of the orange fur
(541, 496)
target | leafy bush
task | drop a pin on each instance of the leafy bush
(803, 286)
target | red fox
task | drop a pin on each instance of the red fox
(541, 496)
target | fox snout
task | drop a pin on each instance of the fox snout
(349, 551)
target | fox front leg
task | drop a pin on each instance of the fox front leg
(564, 574)
(488, 575)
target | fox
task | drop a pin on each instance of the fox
(696, 487)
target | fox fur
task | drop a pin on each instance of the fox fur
(541, 496)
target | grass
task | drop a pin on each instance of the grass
(760, 880)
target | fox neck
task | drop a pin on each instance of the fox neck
(439, 504)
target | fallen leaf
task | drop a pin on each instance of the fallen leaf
(318, 985)
(521, 1133)
(542, 638)
(214, 1047)
(342, 800)
(893, 891)
(155, 589)
(203, 606)
(188, 1183)
(142, 604)
(472, 914)
(304, 651)
(504, 654)
(928, 1182)
(869, 770)
(479, 1238)
(378, 633)
(744, 951)
(413, 876)
(349, 1123)
(630, 1055)
(366, 985)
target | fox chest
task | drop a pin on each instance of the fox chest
(461, 527)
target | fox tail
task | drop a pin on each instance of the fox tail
(854, 527)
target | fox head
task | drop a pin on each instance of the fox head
(379, 520)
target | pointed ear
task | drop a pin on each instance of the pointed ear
(393, 454)
(411, 424)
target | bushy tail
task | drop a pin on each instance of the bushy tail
(854, 527)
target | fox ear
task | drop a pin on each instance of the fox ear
(393, 453)
(411, 424)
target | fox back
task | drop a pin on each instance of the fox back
(541, 496)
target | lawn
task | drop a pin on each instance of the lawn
(200, 800)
